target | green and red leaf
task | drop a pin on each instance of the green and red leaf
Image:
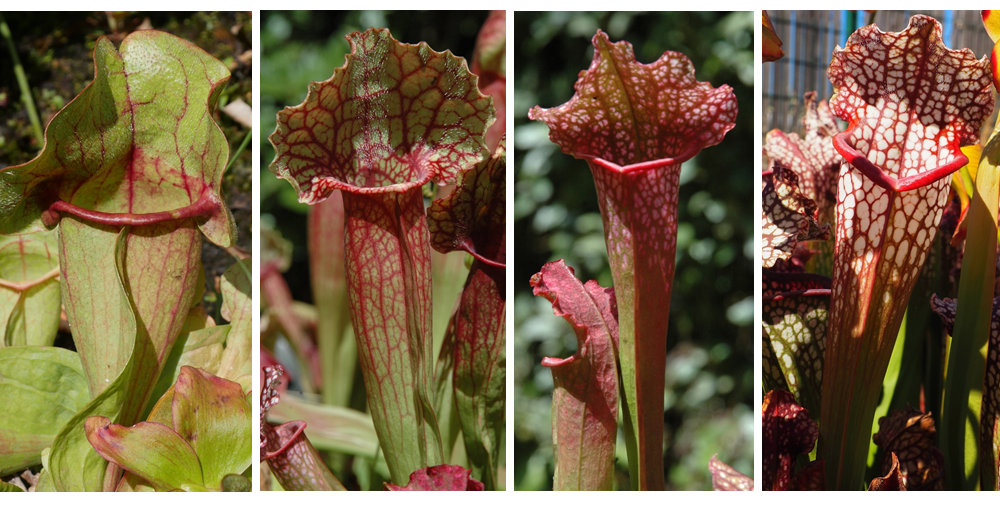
(911, 103)
(29, 288)
(393, 118)
(472, 219)
(489, 62)
(585, 395)
(136, 146)
(149, 450)
(795, 310)
(439, 478)
(635, 124)
(293, 461)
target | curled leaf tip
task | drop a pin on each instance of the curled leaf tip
(788, 431)
(393, 118)
(627, 113)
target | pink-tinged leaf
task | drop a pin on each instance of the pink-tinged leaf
(211, 414)
(726, 478)
(329, 288)
(907, 441)
(989, 416)
(788, 217)
(393, 118)
(788, 432)
(585, 395)
(150, 450)
(293, 461)
(770, 44)
(472, 219)
(439, 478)
(634, 124)
(136, 146)
(812, 157)
(911, 103)
(278, 297)
(489, 62)
(893, 480)
(794, 307)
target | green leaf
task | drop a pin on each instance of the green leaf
(211, 414)
(29, 288)
(150, 450)
(234, 483)
(9, 488)
(42, 388)
(73, 463)
(198, 346)
(329, 427)
(237, 308)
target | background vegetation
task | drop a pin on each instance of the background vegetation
(710, 377)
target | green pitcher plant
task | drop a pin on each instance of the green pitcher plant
(108, 221)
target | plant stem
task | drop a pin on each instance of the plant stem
(967, 359)
(22, 82)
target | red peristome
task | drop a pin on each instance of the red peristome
(585, 396)
(911, 103)
(439, 478)
(207, 204)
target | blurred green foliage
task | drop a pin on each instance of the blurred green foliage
(710, 378)
(305, 46)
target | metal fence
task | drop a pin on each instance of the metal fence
(809, 37)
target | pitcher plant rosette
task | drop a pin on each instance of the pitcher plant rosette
(393, 119)
(155, 396)
(859, 351)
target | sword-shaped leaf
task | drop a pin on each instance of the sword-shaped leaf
(585, 395)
